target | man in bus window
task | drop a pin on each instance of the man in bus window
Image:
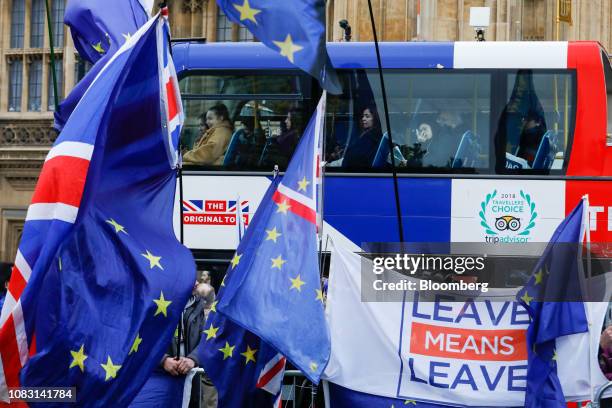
(210, 148)
(532, 132)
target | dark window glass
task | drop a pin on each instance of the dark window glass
(15, 84)
(59, 74)
(37, 24)
(17, 23)
(81, 68)
(266, 115)
(57, 22)
(439, 121)
(537, 121)
(224, 27)
(35, 85)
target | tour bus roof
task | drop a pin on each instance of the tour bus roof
(495, 54)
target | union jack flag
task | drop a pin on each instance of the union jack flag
(71, 195)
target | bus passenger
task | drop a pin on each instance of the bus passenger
(361, 150)
(435, 145)
(533, 130)
(281, 145)
(211, 146)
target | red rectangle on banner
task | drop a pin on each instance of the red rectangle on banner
(215, 205)
(468, 344)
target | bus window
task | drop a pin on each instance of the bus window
(440, 121)
(243, 121)
(608, 77)
(536, 123)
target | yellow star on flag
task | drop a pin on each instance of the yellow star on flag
(78, 358)
(249, 355)
(213, 307)
(413, 402)
(236, 260)
(554, 357)
(273, 235)
(162, 305)
(313, 366)
(118, 227)
(223, 281)
(136, 344)
(153, 260)
(278, 262)
(227, 351)
(297, 283)
(283, 207)
(303, 184)
(110, 369)
(288, 48)
(538, 277)
(98, 48)
(246, 12)
(211, 332)
(319, 295)
(526, 298)
(127, 36)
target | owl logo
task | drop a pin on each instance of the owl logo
(507, 222)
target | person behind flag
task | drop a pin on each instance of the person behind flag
(98, 30)
(553, 299)
(100, 280)
(294, 28)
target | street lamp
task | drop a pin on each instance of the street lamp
(479, 19)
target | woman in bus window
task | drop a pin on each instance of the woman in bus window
(361, 150)
(281, 145)
(211, 146)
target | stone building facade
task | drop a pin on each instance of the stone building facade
(26, 90)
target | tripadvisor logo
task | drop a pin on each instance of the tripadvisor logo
(507, 216)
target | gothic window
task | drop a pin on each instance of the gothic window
(17, 23)
(59, 74)
(37, 24)
(35, 85)
(224, 27)
(244, 34)
(57, 22)
(15, 82)
(81, 68)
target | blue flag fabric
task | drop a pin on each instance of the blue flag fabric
(294, 28)
(99, 29)
(273, 286)
(552, 298)
(233, 358)
(105, 302)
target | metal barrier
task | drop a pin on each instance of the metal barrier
(599, 394)
(296, 392)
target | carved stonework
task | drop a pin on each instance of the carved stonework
(192, 6)
(23, 148)
(27, 134)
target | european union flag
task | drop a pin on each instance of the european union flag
(273, 286)
(552, 298)
(294, 28)
(99, 29)
(108, 279)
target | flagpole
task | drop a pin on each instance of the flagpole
(390, 138)
(163, 5)
(52, 59)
